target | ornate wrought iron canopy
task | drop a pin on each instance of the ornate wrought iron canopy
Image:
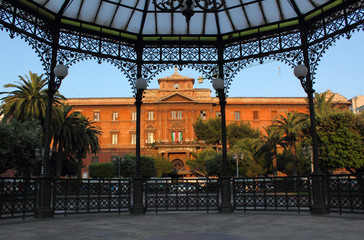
(164, 17)
(142, 39)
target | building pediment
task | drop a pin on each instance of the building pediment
(176, 98)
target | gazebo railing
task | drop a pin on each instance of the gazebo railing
(272, 194)
(346, 193)
(76, 196)
(182, 195)
(18, 196)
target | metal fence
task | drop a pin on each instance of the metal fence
(272, 194)
(17, 197)
(75, 196)
(345, 194)
(182, 195)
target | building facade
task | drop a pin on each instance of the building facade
(167, 119)
(357, 104)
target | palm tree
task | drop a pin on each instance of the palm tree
(29, 100)
(64, 138)
(87, 140)
(73, 134)
(290, 127)
(324, 103)
(269, 142)
(75, 137)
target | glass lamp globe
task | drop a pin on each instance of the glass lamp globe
(141, 84)
(300, 71)
(218, 84)
(60, 71)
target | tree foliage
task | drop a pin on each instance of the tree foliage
(208, 131)
(101, 170)
(127, 166)
(18, 141)
(341, 141)
(163, 166)
(29, 100)
(240, 130)
(324, 104)
(73, 138)
(268, 146)
(74, 135)
(198, 166)
(290, 126)
(251, 164)
(285, 162)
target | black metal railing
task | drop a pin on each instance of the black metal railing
(17, 197)
(272, 194)
(75, 196)
(345, 194)
(182, 195)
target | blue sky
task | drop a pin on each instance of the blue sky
(340, 70)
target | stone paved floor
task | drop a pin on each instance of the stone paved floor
(188, 226)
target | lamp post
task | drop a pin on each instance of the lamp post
(307, 152)
(320, 205)
(121, 160)
(235, 158)
(226, 206)
(116, 160)
(44, 209)
(138, 208)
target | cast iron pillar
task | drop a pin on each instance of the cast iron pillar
(320, 205)
(44, 197)
(319, 181)
(141, 84)
(219, 86)
(44, 209)
(138, 207)
(44, 194)
(226, 206)
(56, 75)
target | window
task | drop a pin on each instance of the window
(237, 116)
(114, 138)
(150, 138)
(179, 115)
(203, 114)
(95, 159)
(176, 114)
(115, 116)
(96, 116)
(151, 115)
(218, 114)
(133, 138)
(255, 115)
(177, 137)
(273, 115)
(133, 116)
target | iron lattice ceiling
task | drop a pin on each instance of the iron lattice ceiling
(141, 17)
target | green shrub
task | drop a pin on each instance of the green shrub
(101, 170)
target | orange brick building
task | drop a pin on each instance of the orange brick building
(167, 118)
